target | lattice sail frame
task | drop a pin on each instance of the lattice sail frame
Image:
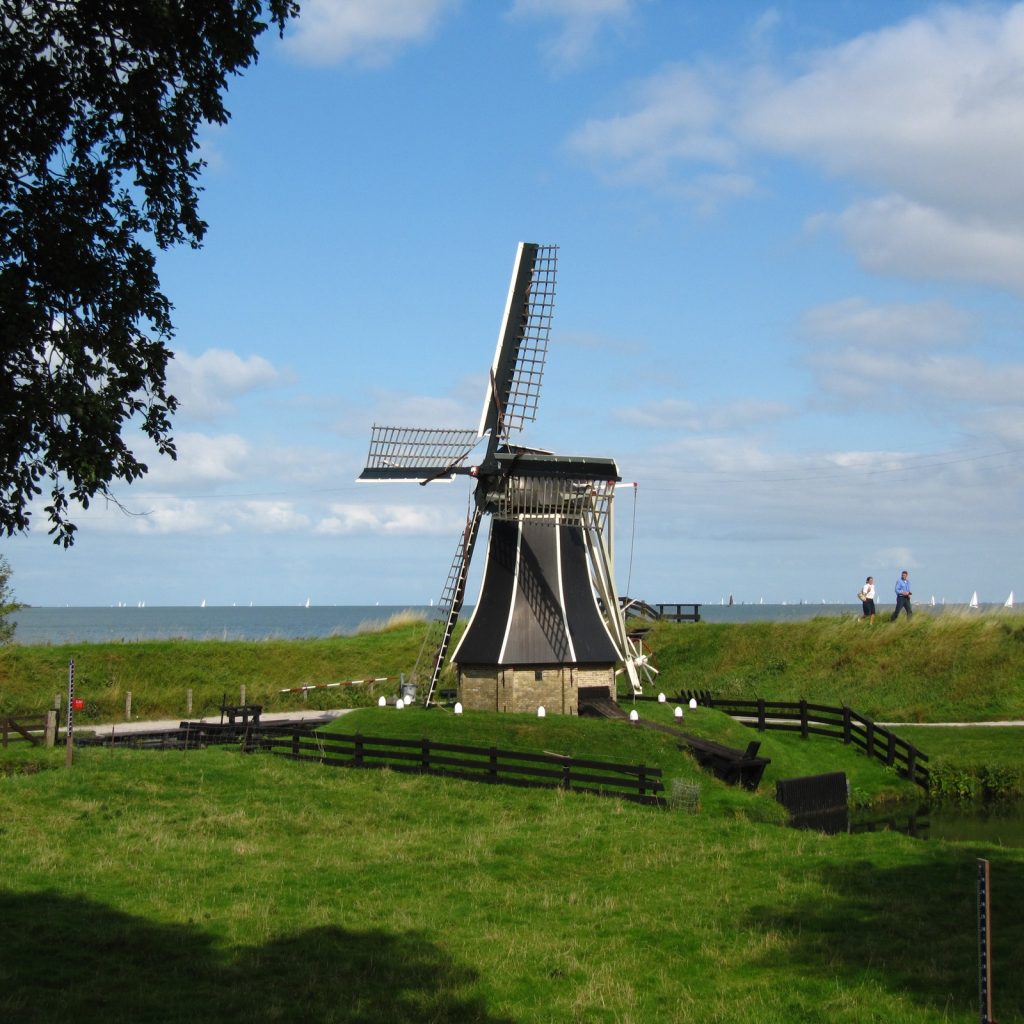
(418, 448)
(521, 355)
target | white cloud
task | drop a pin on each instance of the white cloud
(265, 516)
(582, 21)
(347, 519)
(677, 120)
(932, 108)
(202, 459)
(207, 385)
(369, 32)
(929, 113)
(679, 414)
(891, 235)
(853, 321)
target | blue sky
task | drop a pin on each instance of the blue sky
(789, 305)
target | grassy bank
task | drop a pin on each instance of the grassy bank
(930, 669)
(169, 886)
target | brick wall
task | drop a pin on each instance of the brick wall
(525, 688)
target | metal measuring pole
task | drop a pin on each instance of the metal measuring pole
(984, 945)
(70, 756)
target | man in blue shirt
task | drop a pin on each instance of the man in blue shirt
(902, 597)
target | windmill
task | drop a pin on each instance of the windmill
(548, 611)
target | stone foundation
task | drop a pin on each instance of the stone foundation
(524, 688)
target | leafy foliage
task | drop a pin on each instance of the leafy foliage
(7, 603)
(102, 100)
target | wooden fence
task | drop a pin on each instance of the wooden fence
(676, 612)
(640, 783)
(823, 720)
(27, 727)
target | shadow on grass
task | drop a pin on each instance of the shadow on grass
(71, 959)
(910, 930)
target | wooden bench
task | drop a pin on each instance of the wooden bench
(242, 714)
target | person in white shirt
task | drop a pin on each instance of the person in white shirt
(867, 602)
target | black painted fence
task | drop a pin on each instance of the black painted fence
(639, 783)
(823, 720)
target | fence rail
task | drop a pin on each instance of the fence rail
(809, 719)
(639, 783)
(673, 612)
(25, 727)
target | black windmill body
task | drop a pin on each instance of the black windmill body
(547, 624)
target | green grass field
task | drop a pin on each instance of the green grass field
(150, 886)
(222, 887)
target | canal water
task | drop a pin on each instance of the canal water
(1000, 823)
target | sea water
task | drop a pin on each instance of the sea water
(104, 625)
(63, 625)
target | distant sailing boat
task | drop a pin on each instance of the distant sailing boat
(1008, 603)
(974, 600)
(307, 602)
(202, 604)
(933, 600)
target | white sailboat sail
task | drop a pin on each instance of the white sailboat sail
(974, 600)
(1008, 603)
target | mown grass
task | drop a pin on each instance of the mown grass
(146, 886)
(930, 669)
(159, 673)
(870, 781)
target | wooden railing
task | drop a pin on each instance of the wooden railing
(28, 727)
(823, 720)
(640, 783)
(674, 612)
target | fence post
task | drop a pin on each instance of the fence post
(760, 714)
(242, 691)
(51, 729)
(188, 701)
(847, 725)
(359, 750)
(128, 705)
(890, 752)
(295, 744)
(425, 755)
(870, 750)
(492, 769)
(642, 779)
(803, 718)
(912, 763)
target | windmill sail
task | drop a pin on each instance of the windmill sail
(519, 359)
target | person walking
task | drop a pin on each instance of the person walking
(867, 600)
(902, 596)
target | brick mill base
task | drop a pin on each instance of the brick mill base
(524, 688)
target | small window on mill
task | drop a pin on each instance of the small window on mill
(538, 675)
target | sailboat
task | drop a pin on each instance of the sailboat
(1008, 603)
(202, 604)
(933, 600)
(307, 602)
(974, 600)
